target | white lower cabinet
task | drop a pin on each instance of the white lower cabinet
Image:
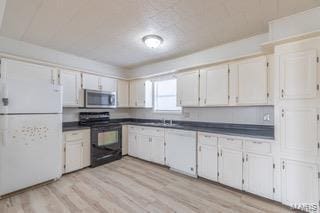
(133, 146)
(300, 183)
(207, 156)
(258, 175)
(76, 150)
(230, 167)
(146, 143)
(181, 151)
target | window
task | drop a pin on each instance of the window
(165, 96)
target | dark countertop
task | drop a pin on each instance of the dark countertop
(242, 130)
(72, 126)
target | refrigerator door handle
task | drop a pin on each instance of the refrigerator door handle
(4, 130)
(4, 98)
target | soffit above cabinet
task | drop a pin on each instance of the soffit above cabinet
(110, 31)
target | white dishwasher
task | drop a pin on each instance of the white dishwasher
(181, 151)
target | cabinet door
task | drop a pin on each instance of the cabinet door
(71, 82)
(299, 183)
(253, 81)
(188, 88)
(144, 144)
(298, 74)
(133, 94)
(108, 84)
(91, 82)
(230, 168)
(73, 156)
(258, 175)
(207, 161)
(140, 94)
(214, 86)
(157, 150)
(132, 144)
(298, 127)
(86, 151)
(123, 93)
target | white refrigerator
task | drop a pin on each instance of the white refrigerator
(30, 125)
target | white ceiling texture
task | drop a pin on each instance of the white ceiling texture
(110, 31)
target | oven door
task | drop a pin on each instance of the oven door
(99, 99)
(105, 142)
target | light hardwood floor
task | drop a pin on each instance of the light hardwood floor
(132, 185)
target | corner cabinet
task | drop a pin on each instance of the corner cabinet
(76, 150)
(188, 88)
(122, 93)
(141, 94)
(72, 93)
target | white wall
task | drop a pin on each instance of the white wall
(213, 55)
(306, 21)
(30, 51)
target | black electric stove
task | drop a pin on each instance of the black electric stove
(105, 137)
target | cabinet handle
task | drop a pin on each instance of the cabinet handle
(199, 148)
(237, 99)
(207, 136)
(221, 153)
(205, 101)
(247, 157)
(283, 166)
(282, 93)
(180, 102)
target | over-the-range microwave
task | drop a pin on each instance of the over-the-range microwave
(99, 99)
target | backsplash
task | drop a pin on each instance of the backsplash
(238, 115)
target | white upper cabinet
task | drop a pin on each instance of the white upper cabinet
(108, 84)
(249, 81)
(258, 175)
(71, 82)
(91, 82)
(188, 88)
(95, 82)
(300, 183)
(298, 74)
(214, 86)
(140, 93)
(123, 93)
(299, 127)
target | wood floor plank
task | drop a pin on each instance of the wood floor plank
(132, 185)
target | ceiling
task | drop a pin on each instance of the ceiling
(110, 31)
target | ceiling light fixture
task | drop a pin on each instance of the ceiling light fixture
(152, 41)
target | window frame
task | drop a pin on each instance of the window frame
(155, 95)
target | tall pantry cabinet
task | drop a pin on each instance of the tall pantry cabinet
(297, 120)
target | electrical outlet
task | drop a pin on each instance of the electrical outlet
(266, 117)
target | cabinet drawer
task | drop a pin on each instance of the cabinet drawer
(151, 131)
(257, 147)
(230, 143)
(207, 139)
(73, 136)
